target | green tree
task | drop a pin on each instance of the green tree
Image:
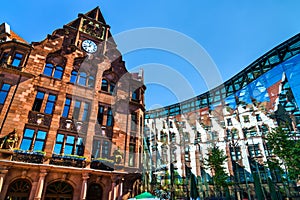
(286, 146)
(214, 162)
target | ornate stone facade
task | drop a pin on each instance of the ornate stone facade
(71, 118)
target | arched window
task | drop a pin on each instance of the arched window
(104, 85)
(94, 192)
(53, 71)
(19, 189)
(112, 87)
(73, 76)
(59, 189)
(58, 72)
(91, 81)
(48, 69)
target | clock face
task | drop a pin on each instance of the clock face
(89, 46)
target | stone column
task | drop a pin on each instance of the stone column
(121, 189)
(85, 177)
(3, 172)
(113, 185)
(40, 186)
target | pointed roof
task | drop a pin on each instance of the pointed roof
(15, 36)
(94, 15)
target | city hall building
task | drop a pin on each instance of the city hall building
(235, 117)
(71, 115)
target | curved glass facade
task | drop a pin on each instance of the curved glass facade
(236, 117)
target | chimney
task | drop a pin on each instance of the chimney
(4, 31)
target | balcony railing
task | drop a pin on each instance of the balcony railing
(68, 160)
(29, 157)
(39, 119)
(73, 125)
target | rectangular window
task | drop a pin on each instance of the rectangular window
(76, 109)
(37, 105)
(131, 155)
(16, 61)
(110, 120)
(4, 92)
(235, 153)
(133, 121)
(101, 148)
(66, 108)
(86, 110)
(33, 139)
(254, 150)
(100, 114)
(68, 145)
(38, 102)
(59, 144)
(135, 95)
(50, 104)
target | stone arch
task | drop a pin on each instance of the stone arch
(59, 189)
(19, 189)
(94, 192)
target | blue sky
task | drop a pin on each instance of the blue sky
(233, 33)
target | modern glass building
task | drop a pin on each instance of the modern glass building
(235, 118)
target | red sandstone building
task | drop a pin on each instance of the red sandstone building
(71, 116)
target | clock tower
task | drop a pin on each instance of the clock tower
(89, 32)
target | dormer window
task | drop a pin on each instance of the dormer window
(17, 60)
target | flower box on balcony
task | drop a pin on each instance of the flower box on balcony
(103, 164)
(68, 160)
(28, 156)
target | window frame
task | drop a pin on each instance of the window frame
(34, 138)
(74, 146)
(53, 71)
(5, 92)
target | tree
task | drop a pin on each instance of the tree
(216, 159)
(286, 147)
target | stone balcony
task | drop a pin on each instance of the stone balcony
(68, 160)
(29, 157)
(39, 119)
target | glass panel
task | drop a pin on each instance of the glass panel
(82, 78)
(85, 113)
(3, 93)
(48, 69)
(58, 72)
(70, 139)
(38, 146)
(57, 148)
(66, 107)
(29, 133)
(91, 82)
(104, 85)
(17, 60)
(26, 144)
(73, 76)
(41, 135)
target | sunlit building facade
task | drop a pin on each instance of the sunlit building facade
(235, 116)
(71, 115)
